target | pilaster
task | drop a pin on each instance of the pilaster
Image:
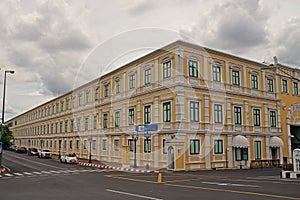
(207, 151)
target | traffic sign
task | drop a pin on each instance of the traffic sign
(147, 127)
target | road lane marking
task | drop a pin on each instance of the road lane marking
(132, 194)
(56, 172)
(27, 173)
(18, 174)
(228, 184)
(233, 191)
(130, 179)
(9, 175)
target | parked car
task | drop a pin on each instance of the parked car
(21, 150)
(32, 152)
(69, 158)
(44, 153)
(12, 148)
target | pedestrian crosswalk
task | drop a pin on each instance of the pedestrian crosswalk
(50, 173)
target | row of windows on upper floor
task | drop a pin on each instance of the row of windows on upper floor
(194, 117)
(64, 105)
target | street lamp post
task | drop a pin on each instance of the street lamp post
(3, 107)
(90, 153)
(59, 147)
(147, 136)
(135, 137)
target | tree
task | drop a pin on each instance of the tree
(7, 137)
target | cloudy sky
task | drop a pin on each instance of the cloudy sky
(55, 46)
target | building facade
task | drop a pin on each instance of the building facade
(210, 110)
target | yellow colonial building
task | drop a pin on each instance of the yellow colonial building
(181, 107)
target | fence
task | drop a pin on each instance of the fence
(265, 163)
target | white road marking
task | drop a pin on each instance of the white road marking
(56, 172)
(8, 175)
(229, 184)
(131, 194)
(18, 174)
(27, 173)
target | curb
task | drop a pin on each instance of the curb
(101, 166)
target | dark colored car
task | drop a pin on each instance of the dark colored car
(21, 150)
(32, 152)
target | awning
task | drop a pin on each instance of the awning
(240, 142)
(276, 142)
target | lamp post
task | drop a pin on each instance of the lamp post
(59, 147)
(3, 107)
(90, 153)
(135, 137)
(147, 136)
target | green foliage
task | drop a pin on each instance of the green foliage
(7, 137)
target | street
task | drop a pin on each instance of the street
(34, 178)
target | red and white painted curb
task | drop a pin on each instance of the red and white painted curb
(117, 168)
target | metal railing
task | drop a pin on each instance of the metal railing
(265, 163)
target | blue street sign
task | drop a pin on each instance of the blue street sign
(147, 127)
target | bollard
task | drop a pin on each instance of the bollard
(159, 177)
(241, 166)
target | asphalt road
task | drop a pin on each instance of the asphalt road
(49, 179)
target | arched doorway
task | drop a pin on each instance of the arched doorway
(171, 158)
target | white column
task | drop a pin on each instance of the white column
(179, 65)
(139, 112)
(179, 106)
(98, 147)
(289, 141)
(264, 82)
(245, 78)
(281, 156)
(138, 77)
(207, 151)
(138, 151)
(156, 69)
(268, 147)
(111, 119)
(109, 148)
(155, 138)
(124, 115)
(206, 111)
(227, 73)
(228, 113)
(156, 111)
(205, 69)
(249, 152)
(123, 86)
(266, 116)
(247, 115)
(229, 151)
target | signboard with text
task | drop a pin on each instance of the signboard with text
(147, 127)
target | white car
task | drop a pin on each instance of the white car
(44, 153)
(69, 158)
